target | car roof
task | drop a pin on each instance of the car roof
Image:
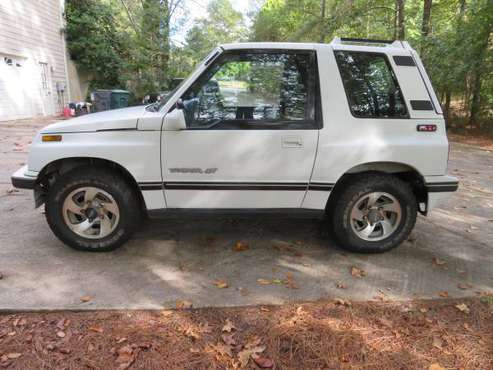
(395, 47)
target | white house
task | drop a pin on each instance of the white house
(33, 59)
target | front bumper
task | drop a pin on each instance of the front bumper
(24, 179)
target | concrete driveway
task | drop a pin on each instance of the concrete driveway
(180, 257)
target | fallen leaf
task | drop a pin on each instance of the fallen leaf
(121, 340)
(228, 339)
(276, 281)
(462, 307)
(263, 362)
(85, 298)
(357, 272)
(60, 334)
(464, 286)
(125, 357)
(437, 261)
(443, 294)
(228, 326)
(191, 333)
(263, 281)
(265, 309)
(437, 343)
(222, 349)
(342, 302)
(65, 351)
(97, 329)
(252, 349)
(13, 355)
(241, 246)
(183, 304)
(60, 324)
(289, 282)
(220, 283)
(436, 366)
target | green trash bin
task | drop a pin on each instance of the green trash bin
(109, 99)
(119, 99)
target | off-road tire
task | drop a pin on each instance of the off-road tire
(107, 180)
(340, 214)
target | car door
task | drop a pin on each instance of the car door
(252, 123)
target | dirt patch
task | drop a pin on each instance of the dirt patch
(335, 334)
(483, 141)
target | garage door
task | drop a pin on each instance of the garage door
(15, 101)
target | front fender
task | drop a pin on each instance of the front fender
(136, 151)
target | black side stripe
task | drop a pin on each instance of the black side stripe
(151, 186)
(236, 186)
(320, 186)
(233, 186)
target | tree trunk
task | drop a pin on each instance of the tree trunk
(475, 100)
(400, 28)
(446, 105)
(322, 20)
(425, 26)
(478, 70)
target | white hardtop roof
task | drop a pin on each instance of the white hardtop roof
(269, 45)
(337, 44)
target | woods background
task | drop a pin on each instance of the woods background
(128, 43)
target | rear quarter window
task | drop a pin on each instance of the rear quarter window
(371, 86)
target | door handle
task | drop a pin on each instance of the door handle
(292, 142)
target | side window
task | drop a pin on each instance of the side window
(371, 86)
(255, 90)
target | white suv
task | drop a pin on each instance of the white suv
(352, 128)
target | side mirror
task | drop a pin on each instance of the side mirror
(175, 120)
(179, 104)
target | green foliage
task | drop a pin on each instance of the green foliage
(126, 43)
(222, 25)
(458, 50)
(94, 42)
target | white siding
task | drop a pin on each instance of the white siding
(31, 32)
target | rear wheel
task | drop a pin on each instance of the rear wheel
(92, 209)
(374, 214)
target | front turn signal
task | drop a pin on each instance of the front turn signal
(51, 138)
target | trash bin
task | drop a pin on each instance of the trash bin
(119, 99)
(109, 99)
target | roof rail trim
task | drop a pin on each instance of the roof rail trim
(349, 40)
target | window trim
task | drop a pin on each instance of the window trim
(394, 76)
(315, 124)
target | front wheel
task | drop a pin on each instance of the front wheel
(92, 209)
(374, 214)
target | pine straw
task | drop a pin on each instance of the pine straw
(323, 334)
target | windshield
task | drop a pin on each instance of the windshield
(158, 105)
(155, 107)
